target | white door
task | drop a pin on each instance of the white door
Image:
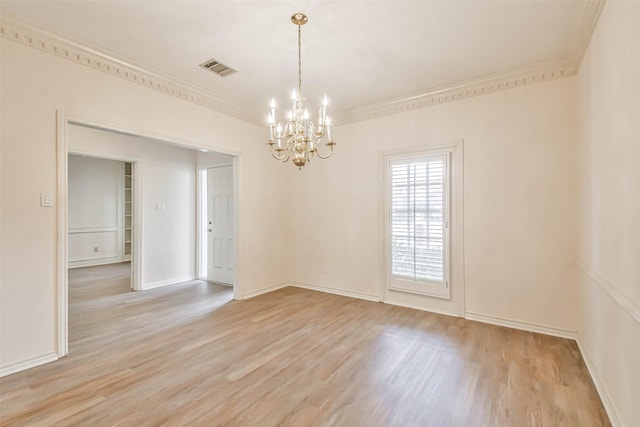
(220, 258)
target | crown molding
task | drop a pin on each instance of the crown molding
(458, 90)
(15, 29)
(508, 79)
(584, 30)
(18, 30)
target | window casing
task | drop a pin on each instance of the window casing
(418, 217)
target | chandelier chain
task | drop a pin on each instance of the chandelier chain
(299, 62)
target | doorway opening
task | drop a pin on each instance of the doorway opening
(216, 229)
(100, 214)
(167, 253)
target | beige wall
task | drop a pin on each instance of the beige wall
(519, 204)
(166, 175)
(530, 203)
(35, 85)
(95, 201)
(609, 209)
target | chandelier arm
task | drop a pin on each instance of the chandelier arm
(319, 132)
(284, 157)
(330, 144)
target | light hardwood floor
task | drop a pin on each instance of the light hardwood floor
(189, 355)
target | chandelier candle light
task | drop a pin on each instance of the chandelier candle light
(299, 137)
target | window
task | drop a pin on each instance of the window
(418, 222)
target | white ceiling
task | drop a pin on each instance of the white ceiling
(357, 52)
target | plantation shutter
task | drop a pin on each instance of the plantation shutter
(418, 218)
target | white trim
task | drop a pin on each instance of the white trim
(121, 208)
(92, 262)
(422, 308)
(584, 31)
(111, 258)
(168, 282)
(216, 165)
(62, 262)
(607, 402)
(456, 280)
(28, 364)
(524, 326)
(335, 291)
(136, 226)
(266, 290)
(610, 288)
(435, 289)
(95, 155)
(176, 141)
(238, 218)
(215, 283)
(493, 82)
(480, 85)
(81, 230)
(18, 30)
(493, 320)
(200, 273)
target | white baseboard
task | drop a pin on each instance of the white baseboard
(516, 324)
(27, 364)
(266, 290)
(94, 262)
(335, 291)
(494, 320)
(167, 282)
(601, 389)
(417, 307)
(205, 279)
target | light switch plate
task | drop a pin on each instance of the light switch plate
(46, 200)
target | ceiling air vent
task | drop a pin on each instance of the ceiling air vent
(218, 68)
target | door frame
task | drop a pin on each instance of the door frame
(62, 286)
(201, 226)
(456, 304)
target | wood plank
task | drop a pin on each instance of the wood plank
(190, 355)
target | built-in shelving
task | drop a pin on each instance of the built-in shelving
(128, 210)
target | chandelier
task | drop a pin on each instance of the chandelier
(299, 138)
